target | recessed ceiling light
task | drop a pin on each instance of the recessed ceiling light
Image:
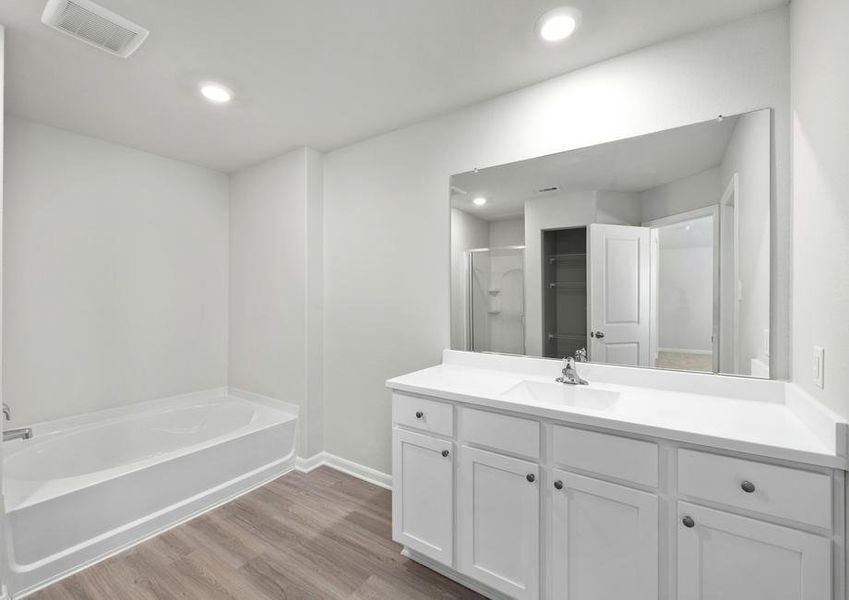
(558, 24)
(479, 201)
(215, 92)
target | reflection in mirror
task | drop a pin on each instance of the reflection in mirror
(651, 251)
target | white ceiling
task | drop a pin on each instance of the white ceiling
(322, 73)
(631, 165)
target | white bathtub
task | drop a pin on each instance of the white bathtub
(86, 487)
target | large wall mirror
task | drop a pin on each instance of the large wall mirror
(652, 251)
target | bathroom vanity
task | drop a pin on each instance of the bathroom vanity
(644, 484)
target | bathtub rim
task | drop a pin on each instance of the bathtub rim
(60, 425)
(46, 431)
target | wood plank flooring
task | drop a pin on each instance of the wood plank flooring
(303, 536)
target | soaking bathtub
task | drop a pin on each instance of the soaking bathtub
(89, 486)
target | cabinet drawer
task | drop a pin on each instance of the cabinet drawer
(784, 492)
(611, 455)
(423, 414)
(511, 434)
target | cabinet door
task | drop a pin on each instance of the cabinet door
(499, 522)
(423, 494)
(604, 540)
(727, 557)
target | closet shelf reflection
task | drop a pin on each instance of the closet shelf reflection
(575, 285)
(575, 337)
(569, 257)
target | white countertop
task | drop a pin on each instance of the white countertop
(767, 418)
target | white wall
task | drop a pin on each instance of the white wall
(115, 274)
(467, 232)
(618, 208)
(2, 162)
(508, 232)
(820, 120)
(748, 156)
(683, 195)
(387, 299)
(274, 218)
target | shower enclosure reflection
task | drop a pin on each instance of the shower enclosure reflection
(496, 303)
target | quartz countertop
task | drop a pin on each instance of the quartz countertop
(766, 418)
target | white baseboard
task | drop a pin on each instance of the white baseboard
(378, 478)
(305, 465)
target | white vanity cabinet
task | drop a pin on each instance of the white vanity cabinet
(499, 523)
(604, 540)
(722, 556)
(536, 508)
(423, 494)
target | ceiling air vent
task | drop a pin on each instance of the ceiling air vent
(94, 25)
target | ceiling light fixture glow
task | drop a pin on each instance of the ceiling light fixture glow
(558, 24)
(215, 92)
(479, 201)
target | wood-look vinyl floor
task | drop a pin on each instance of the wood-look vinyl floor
(303, 536)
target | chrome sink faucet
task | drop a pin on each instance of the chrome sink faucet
(22, 433)
(569, 375)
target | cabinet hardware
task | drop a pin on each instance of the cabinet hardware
(419, 414)
(688, 522)
(445, 453)
(558, 485)
(531, 477)
(748, 487)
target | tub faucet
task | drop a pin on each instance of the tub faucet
(569, 375)
(22, 433)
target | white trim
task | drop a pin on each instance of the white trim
(731, 199)
(305, 465)
(698, 213)
(714, 212)
(373, 476)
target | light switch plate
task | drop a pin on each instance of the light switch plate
(819, 366)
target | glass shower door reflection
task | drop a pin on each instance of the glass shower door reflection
(496, 300)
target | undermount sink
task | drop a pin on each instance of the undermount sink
(579, 396)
